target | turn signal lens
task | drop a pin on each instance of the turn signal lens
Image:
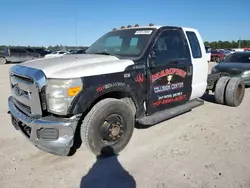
(73, 91)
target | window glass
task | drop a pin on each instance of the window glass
(195, 45)
(169, 47)
(123, 43)
(22, 51)
(13, 50)
(238, 58)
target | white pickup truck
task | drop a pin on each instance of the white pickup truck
(133, 75)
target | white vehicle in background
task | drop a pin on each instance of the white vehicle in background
(56, 54)
(237, 50)
(208, 52)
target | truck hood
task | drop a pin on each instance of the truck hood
(75, 66)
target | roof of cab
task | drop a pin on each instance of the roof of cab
(156, 27)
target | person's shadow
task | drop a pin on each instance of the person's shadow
(107, 172)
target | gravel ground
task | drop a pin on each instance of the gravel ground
(208, 147)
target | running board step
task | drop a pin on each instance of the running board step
(170, 113)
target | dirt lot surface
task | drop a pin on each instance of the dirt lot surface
(208, 147)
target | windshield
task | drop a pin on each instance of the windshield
(238, 58)
(128, 42)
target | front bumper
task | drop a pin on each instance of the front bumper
(51, 134)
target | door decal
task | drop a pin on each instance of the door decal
(169, 72)
(168, 86)
(139, 78)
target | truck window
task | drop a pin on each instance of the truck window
(22, 51)
(14, 50)
(123, 43)
(134, 41)
(169, 46)
(113, 41)
(194, 44)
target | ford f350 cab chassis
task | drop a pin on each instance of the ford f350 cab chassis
(133, 75)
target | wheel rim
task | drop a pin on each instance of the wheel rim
(239, 92)
(112, 129)
(2, 61)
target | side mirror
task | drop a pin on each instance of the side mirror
(152, 57)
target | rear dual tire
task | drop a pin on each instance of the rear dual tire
(229, 91)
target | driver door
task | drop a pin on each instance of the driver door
(170, 79)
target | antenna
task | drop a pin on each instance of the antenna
(76, 29)
(239, 43)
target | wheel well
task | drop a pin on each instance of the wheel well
(113, 94)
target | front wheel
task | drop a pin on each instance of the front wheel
(110, 123)
(217, 60)
(2, 61)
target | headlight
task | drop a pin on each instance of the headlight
(246, 72)
(214, 70)
(60, 93)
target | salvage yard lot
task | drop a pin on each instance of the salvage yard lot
(208, 147)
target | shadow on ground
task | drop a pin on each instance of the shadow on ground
(107, 172)
(208, 98)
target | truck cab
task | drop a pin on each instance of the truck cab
(133, 75)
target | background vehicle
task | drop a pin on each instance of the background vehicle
(141, 75)
(33, 52)
(208, 51)
(217, 55)
(14, 55)
(41, 51)
(77, 52)
(237, 64)
(56, 54)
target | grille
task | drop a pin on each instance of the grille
(26, 87)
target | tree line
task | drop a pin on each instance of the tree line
(214, 44)
(228, 44)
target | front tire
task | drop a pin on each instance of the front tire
(110, 123)
(2, 61)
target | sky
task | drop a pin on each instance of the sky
(81, 22)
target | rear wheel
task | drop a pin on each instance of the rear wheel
(110, 123)
(220, 88)
(2, 61)
(217, 59)
(235, 91)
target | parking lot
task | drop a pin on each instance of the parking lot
(208, 147)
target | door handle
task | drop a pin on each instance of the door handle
(189, 70)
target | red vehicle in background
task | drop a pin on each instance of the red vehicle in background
(217, 55)
(246, 49)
